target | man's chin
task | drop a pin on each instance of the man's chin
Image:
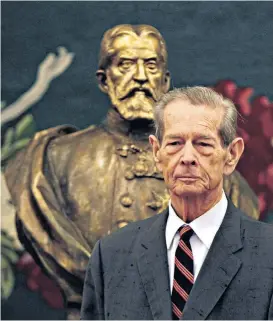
(187, 191)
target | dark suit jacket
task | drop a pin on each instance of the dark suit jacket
(127, 276)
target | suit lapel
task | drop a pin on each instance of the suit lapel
(153, 268)
(218, 269)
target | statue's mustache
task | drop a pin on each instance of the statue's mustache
(131, 92)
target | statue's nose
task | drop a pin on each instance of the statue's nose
(140, 74)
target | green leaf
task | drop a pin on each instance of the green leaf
(7, 247)
(18, 138)
(20, 144)
(7, 278)
(9, 254)
(25, 128)
(9, 137)
(6, 240)
(6, 154)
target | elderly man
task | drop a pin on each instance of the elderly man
(197, 258)
(72, 187)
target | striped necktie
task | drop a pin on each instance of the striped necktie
(183, 272)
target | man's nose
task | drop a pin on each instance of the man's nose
(188, 155)
(140, 74)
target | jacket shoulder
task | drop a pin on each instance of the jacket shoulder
(254, 226)
(258, 236)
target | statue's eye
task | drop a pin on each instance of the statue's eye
(126, 64)
(151, 65)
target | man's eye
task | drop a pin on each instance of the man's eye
(204, 144)
(174, 143)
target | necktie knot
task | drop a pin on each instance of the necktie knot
(185, 232)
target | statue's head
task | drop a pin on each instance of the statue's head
(133, 69)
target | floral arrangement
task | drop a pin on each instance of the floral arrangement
(255, 125)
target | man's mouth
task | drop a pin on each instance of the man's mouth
(187, 178)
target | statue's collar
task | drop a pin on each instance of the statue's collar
(138, 129)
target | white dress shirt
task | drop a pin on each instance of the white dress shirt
(205, 228)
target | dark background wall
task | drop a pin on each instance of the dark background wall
(207, 41)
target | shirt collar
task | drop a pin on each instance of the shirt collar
(205, 226)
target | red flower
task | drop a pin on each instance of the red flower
(256, 128)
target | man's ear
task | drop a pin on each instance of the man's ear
(156, 153)
(102, 80)
(234, 153)
(167, 81)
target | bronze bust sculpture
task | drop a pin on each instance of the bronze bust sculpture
(72, 187)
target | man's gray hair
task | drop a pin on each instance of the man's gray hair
(199, 96)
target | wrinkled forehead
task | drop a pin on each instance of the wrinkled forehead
(127, 43)
(181, 115)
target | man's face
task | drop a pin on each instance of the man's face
(191, 156)
(136, 78)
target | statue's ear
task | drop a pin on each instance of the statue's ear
(102, 80)
(167, 81)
